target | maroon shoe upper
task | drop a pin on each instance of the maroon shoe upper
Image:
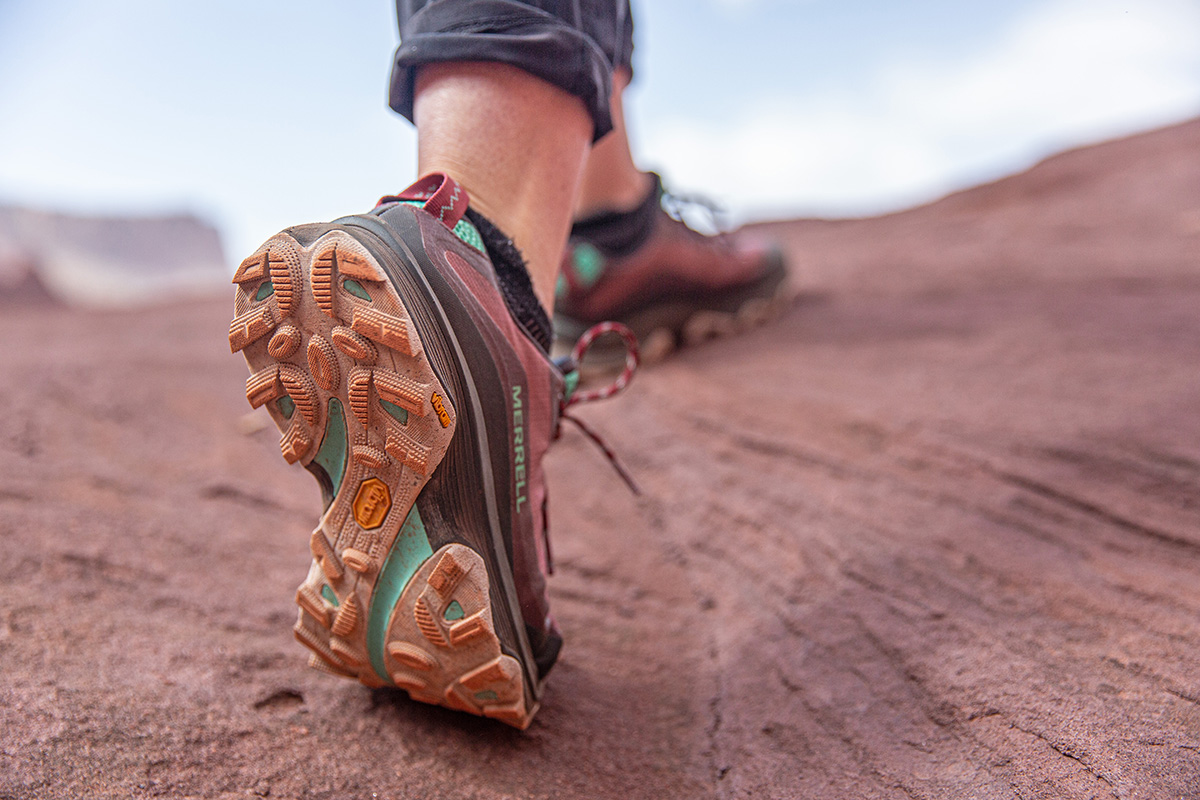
(671, 262)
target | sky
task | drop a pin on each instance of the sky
(258, 114)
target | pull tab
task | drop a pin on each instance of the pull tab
(444, 197)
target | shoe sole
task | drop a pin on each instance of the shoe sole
(338, 362)
(665, 329)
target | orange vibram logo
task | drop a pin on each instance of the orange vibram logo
(440, 408)
(372, 503)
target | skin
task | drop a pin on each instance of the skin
(516, 143)
(611, 180)
(522, 149)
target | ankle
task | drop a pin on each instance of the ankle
(611, 180)
(612, 192)
(478, 123)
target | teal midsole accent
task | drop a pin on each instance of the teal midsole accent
(332, 455)
(410, 550)
(572, 382)
(588, 263)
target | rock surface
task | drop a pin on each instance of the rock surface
(933, 534)
(106, 261)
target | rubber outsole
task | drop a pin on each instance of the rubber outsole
(338, 363)
(665, 329)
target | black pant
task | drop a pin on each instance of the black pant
(573, 44)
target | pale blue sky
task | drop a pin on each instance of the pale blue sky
(263, 113)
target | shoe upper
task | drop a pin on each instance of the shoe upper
(661, 260)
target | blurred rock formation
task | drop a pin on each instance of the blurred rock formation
(106, 261)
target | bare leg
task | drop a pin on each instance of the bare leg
(516, 143)
(626, 246)
(611, 181)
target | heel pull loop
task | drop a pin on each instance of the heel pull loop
(443, 197)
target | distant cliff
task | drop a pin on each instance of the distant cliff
(106, 261)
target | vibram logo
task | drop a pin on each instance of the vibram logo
(440, 408)
(372, 503)
(518, 449)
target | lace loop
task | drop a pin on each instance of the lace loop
(632, 359)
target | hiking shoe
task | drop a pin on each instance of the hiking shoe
(410, 376)
(667, 282)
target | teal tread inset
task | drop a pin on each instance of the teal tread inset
(410, 550)
(334, 446)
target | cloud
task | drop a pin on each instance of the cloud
(1067, 72)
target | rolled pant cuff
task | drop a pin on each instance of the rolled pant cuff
(509, 33)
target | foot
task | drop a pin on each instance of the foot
(383, 347)
(667, 282)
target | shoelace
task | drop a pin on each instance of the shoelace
(570, 367)
(676, 206)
